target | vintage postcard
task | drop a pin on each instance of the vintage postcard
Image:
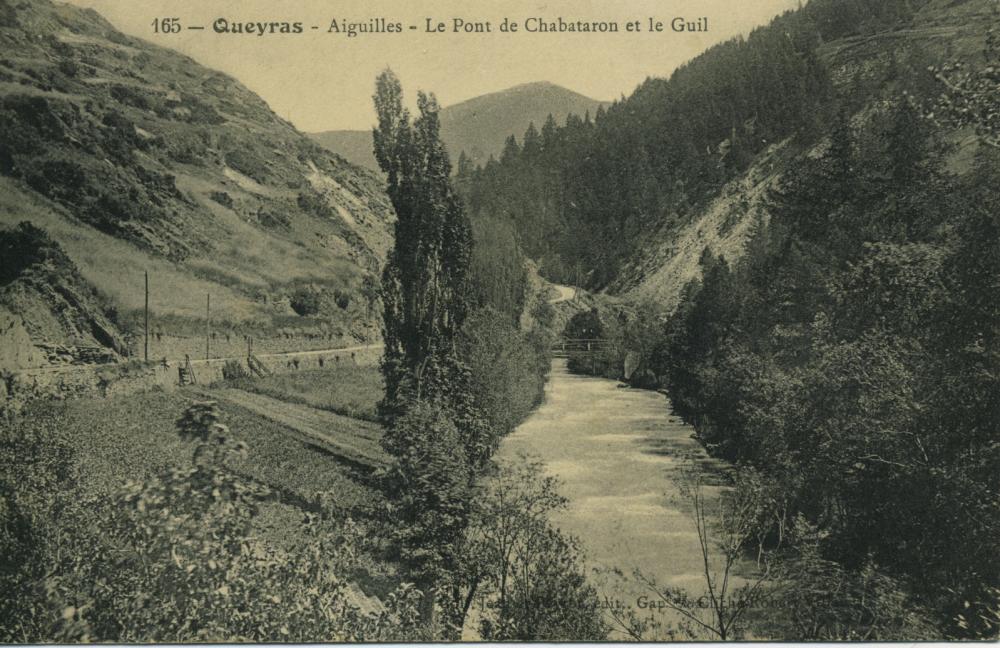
(533, 320)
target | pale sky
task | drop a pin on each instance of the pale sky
(323, 81)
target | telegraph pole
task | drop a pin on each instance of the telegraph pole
(208, 325)
(145, 326)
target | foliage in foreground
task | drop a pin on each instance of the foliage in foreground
(525, 573)
(174, 558)
(764, 576)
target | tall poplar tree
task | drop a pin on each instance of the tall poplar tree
(424, 281)
(427, 403)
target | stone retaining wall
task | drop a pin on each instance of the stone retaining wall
(101, 381)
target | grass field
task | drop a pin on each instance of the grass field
(350, 391)
(132, 437)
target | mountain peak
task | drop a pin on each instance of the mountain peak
(479, 126)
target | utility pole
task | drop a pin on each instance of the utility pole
(208, 325)
(145, 326)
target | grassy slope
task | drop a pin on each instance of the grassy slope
(161, 136)
(116, 267)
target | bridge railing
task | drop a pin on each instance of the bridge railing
(565, 346)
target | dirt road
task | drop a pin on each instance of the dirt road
(352, 439)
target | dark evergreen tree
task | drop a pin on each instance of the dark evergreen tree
(465, 166)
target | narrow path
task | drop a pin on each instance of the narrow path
(352, 439)
(69, 368)
(566, 293)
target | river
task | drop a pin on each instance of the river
(618, 453)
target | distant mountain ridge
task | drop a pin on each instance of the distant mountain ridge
(478, 126)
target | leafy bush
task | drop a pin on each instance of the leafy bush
(42, 117)
(526, 573)
(248, 163)
(129, 96)
(8, 16)
(37, 479)
(22, 247)
(200, 112)
(585, 325)
(507, 369)
(428, 487)
(831, 603)
(273, 219)
(233, 370)
(59, 179)
(223, 198)
(186, 147)
(121, 128)
(544, 314)
(313, 203)
(304, 300)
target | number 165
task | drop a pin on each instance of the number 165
(166, 25)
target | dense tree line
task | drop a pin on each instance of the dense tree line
(582, 195)
(851, 357)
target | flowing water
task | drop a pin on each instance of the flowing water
(619, 454)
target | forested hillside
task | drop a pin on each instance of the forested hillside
(591, 197)
(852, 359)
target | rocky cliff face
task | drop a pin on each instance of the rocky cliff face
(48, 314)
(865, 66)
(16, 349)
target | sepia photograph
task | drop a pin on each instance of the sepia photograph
(536, 321)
